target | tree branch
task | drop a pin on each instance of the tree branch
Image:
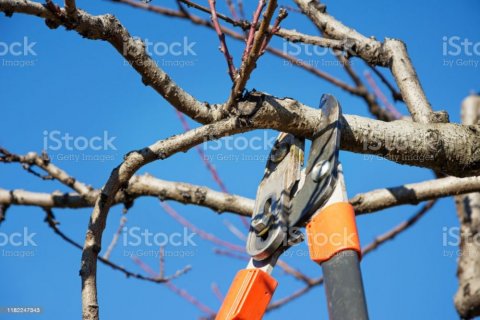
(119, 180)
(70, 7)
(467, 298)
(413, 193)
(392, 53)
(53, 224)
(147, 185)
(223, 44)
(252, 54)
(33, 159)
(289, 35)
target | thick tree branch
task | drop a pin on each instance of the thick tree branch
(467, 298)
(413, 193)
(147, 185)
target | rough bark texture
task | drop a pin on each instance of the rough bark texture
(413, 193)
(427, 142)
(138, 186)
(448, 148)
(467, 298)
(186, 193)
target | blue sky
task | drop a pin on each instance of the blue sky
(83, 88)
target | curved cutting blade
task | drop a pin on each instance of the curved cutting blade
(321, 169)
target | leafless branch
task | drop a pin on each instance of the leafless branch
(379, 94)
(43, 162)
(231, 7)
(427, 142)
(252, 54)
(70, 7)
(467, 298)
(289, 35)
(146, 185)
(223, 44)
(253, 29)
(53, 224)
(392, 233)
(413, 193)
(200, 232)
(396, 96)
(113, 243)
(282, 14)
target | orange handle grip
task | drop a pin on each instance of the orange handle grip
(248, 296)
(332, 230)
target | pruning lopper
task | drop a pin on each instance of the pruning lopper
(289, 198)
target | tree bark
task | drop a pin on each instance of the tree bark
(467, 298)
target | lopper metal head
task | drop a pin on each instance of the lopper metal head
(288, 197)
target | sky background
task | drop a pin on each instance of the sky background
(83, 88)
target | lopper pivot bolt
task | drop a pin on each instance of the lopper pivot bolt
(289, 198)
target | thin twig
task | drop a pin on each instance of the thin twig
(216, 291)
(53, 224)
(379, 94)
(116, 236)
(253, 29)
(396, 95)
(70, 7)
(250, 62)
(201, 233)
(231, 254)
(237, 36)
(240, 9)
(161, 267)
(223, 44)
(234, 230)
(180, 292)
(231, 7)
(276, 26)
(392, 233)
(213, 171)
(191, 299)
